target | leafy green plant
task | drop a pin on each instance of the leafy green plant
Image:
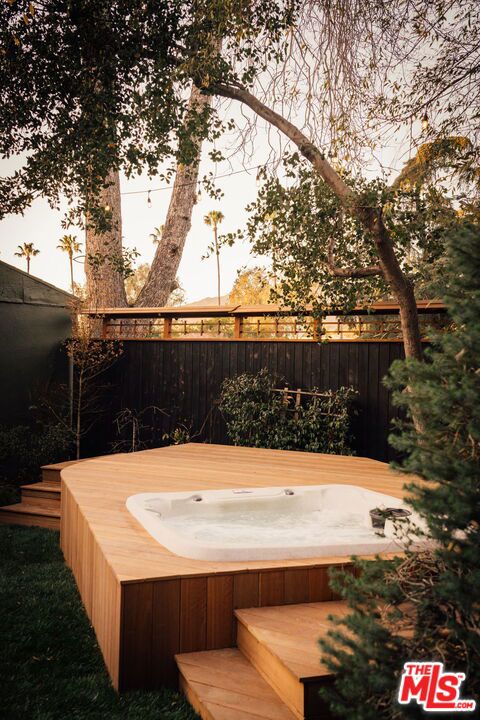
(90, 358)
(180, 435)
(258, 415)
(25, 448)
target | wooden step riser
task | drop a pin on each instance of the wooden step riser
(42, 498)
(302, 698)
(287, 687)
(14, 518)
(51, 476)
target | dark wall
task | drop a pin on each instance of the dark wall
(184, 378)
(34, 322)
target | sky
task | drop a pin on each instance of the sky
(42, 226)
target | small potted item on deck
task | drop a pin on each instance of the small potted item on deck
(379, 516)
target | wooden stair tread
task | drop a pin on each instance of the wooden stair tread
(43, 485)
(223, 685)
(61, 465)
(23, 508)
(291, 633)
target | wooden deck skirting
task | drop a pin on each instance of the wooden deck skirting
(147, 604)
(260, 322)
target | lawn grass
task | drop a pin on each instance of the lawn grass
(51, 667)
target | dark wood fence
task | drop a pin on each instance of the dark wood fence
(184, 377)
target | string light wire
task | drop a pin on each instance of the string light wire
(218, 177)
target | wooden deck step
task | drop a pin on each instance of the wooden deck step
(223, 685)
(23, 513)
(51, 473)
(42, 494)
(41, 501)
(282, 644)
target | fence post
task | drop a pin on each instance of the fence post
(167, 328)
(238, 327)
(298, 400)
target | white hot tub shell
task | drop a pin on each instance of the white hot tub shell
(272, 523)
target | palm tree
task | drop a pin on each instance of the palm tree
(214, 218)
(27, 251)
(157, 234)
(70, 245)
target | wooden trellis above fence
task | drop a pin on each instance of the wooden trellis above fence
(262, 322)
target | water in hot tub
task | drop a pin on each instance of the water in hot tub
(267, 527)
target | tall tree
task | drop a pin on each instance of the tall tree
(322, 256)
(111, 121)
(135, 282)
(252, 286)
(213, 219)
(171, 241)
(27, 251)
(104, 252)
(70, 245)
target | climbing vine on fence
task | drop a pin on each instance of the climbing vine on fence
(258, 413)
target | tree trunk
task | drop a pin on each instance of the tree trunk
(78, 425)
(217, 256)
(371, 218)
(105, 284)
(161, 279)
(70, 259)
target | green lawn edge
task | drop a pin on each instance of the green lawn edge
(50, 664)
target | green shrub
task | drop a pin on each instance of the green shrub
(258, 416)
(25, 448)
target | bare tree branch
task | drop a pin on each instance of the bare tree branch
(305, 146)
(350, 272)
(371, 217)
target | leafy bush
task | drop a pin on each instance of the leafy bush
(257, 416)
(25, 448)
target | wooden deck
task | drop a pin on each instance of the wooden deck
(276, 671)
(40, 501)
(147, 604)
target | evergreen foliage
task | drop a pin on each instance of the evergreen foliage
(425, 605)
(258, 416)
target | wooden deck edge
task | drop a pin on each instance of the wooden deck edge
(270, 666)
(97, 583)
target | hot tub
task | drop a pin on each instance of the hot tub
(266, 523)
